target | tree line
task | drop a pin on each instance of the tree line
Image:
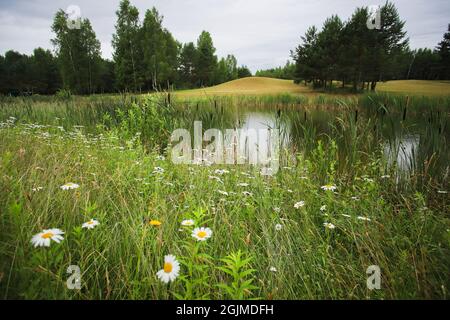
(146, 57)
(356, 56)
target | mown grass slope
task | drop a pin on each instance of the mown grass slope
(268, 86)
(250, 86)
(416, 87)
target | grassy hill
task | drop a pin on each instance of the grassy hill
(250, 86)
(270, 86)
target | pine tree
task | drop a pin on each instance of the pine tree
(206, 63)
(188, 60)
(443, 50)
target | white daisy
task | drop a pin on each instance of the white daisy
(187, 223)
(328, 187)
(329, 225)
(37, 189)
(299, 204)
(273, 269)
(170, 271)
(323, 208)
(278, 227)
(91, 224)
(69, 186)
(158, 170)
(44, 238)
(201, 234)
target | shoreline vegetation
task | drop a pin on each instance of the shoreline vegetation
(336, 207)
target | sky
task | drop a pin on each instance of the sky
(260, 33)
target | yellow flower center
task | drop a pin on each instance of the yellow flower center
(47, 235)
(155, 223)
(91, 222)
(168, 267)
(201, 234)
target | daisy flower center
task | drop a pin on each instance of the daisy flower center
(201, 234)
(168, 267)
(91, 222)
(47, 235)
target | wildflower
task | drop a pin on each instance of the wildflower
(277, 209)
(161, 158)
(328, 187)
(323, 208)
(385, 176)
(355, 198)
(215, 178)
(278, 227)
(221, 171)
(224, 193)
(158, 170)
(44, 238)
(363, 218)
(37, 189)
(329, 225)
(201, 234)
(273, 269)
(69, 186)
(243, 185)
(299, 204)
(187, 223)
(155, 223)
(170, 271)
(442, 192)
(91, 224)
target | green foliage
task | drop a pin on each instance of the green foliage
(407, 235)
(352, 53)
(286, 72)
(206, 60)
(79, 56)
(237, 267)
(127, 48)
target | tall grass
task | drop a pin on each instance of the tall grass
(261, 247)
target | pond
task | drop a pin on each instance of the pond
(413, 143)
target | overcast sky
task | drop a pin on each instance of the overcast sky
(260, 33)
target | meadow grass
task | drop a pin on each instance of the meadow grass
(262, 246)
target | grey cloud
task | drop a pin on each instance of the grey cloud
(260, 33)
